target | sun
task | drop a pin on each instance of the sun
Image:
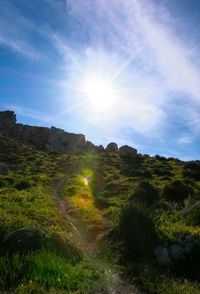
(100, 94)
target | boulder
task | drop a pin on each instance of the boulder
(21, 241)
(188, 247)
(162, 256)
(3, 169)
(127, 151)
(112, 148)
(176, 252)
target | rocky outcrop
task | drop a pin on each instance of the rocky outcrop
(100, 148)
(53, 139)
(49, 139)
(127, 151)
(7, 120)
(89, 146)
(112, 148)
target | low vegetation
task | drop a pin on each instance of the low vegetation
(128, 205)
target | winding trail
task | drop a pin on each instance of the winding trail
(90, 242)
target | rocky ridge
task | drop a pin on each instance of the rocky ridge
(53, 139)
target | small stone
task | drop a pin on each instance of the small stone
(162, 256)
(176, 252)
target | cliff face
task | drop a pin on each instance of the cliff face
(53, 139)
(49, 139)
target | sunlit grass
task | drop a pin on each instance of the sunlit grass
(47, 268)
(85, 206)
(173, 228)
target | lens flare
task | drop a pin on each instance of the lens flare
(86, 181)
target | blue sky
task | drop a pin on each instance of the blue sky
(57, 56)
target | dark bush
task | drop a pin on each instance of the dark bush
(145, 193)
(22, 185)
(131, 172)
(137, 233)
(189, 182)
(192, 174)
(10, 181)
(192, 165)
(193, 218)
(161, 171)
(161, 158)
(101, 203)
(176, 191)
(146, 173)
(2, 183)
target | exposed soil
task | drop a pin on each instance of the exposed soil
(89, 241)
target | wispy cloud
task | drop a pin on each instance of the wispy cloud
(161, 66)
(15, 31)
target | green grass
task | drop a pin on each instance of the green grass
(48, 269)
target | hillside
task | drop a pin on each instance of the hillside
(97, 221)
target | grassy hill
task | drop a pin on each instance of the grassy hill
(90, 222)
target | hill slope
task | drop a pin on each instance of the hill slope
(75, 222)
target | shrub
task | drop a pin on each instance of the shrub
(101, 202)
(22, 185)
(194, 217)
(137, 232)
(162, 171)
(2, 183)
(145, 193)
(176, 191)
(192, 174)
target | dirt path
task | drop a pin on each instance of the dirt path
(89, 244)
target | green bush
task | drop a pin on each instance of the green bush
(145, 193)
(193, 218)
(176, 191)
(137, 233)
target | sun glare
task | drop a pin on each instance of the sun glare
(99, 93)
